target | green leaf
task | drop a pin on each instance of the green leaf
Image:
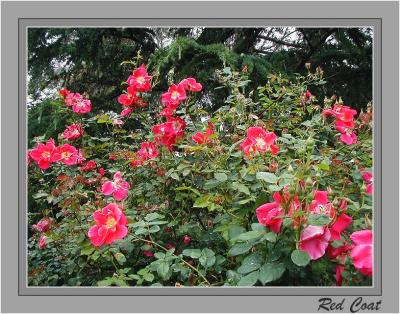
(319, 220)
(258, 227)
(159, 255)
(153, 216)
(250, 263)
(105, 283)
(271, 237)
(250, 235)
(267, 177)
(202, 202)
(249, 280)
(87, 250)
(275, 188)
(323, 166)
(210, 184)
(235, 230)
(193, 253)
(220, 176)
(300, 258)
(163, 269)
(239, 248)
(149, 277)
(241, 188)
(271, 272)
(207, 258)
(121, 259)
(174, 176)
(154, 229)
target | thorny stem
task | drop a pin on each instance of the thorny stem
(166, 250)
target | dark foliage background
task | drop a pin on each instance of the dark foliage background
(89, 59)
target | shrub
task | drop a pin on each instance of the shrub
(273, 188)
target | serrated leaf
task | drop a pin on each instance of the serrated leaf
(250, 235)
(271, 237)
(267, 177)
(220, 176)
(163, 269)
(249, 280)
(300, 258)
(318, 220)
(271, 272)
(239, 248)
(241, 188)
(193, 253)
(250, 263)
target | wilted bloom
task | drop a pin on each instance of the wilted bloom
(44, 154)
(42, 242)
(169, 246)
(320, 204)
(186, 239)
(118, 187)
(191, 84)
(140, 79)
(43, 225)
(201, 138)
(148, 150)
(259, 140)
(72, 132)
(102, 171)
(90, 165)
(341, 223)
(270, 214)
(314, 240)
(368, 179)
(362, 252)
(148, 253)
(110, 225)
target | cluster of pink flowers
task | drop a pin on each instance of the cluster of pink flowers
(76, 101)
(139, 82)
(316, 240)
(177, 93)
(111, 222)
(46, 154)
(42, 226)
(344, 122)
(168, 133)
(259, 140)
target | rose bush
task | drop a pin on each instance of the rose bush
(273, 188)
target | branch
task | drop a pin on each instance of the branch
(280, 42)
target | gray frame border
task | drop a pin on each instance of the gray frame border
(385, 12)
(375, 290)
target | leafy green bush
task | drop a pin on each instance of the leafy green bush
(273, 192)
